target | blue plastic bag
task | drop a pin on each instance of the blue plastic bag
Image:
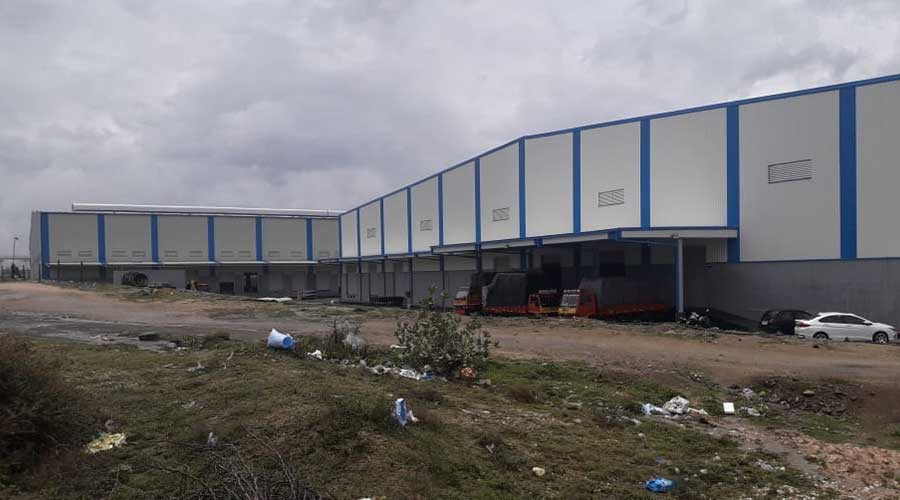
(660, 484)
(401, 413)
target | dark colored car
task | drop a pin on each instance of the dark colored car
(782, 320)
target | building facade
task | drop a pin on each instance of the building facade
(782, 201)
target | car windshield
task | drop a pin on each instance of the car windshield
(569, 300)
(802, 315)
(768, 315)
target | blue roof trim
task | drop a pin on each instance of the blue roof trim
(733, 177)
(154, 237)
(522, 214)
(259, 234)
(45, 245)
(440, 189)
(101, 238)
(409, 244)
(847, 169)
(645, 173)
(309, 239)
(477, 175)
(211, 238)
(576, 181)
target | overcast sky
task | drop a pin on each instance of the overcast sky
(328, 104)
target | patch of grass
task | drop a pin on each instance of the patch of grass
(41, 414)
(334, 424)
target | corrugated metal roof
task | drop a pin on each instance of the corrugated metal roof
(189, 209)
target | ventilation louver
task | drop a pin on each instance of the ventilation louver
(790, 171)
(613, 197)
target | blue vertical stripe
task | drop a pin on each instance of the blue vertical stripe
(309, 238)
(409, 220)
(477, 200)
(259, 234)
(340, 238)
(381, 222)
(154, 238)
(45, 246)
(733, 177)
(358, 240)
(440, 209)
(576, 181)
(848, 171)
(101, 238)
(211, 238)
(522, 228)
(645, 173)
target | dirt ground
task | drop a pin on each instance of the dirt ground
(832, 409)
(38, 309)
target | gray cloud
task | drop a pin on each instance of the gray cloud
(328, 104)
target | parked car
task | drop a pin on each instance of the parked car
(782, 320)
(844, 326)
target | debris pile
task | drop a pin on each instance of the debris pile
(106, 441)
(675, 407)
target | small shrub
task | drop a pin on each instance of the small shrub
(39, 412)
(442, 341)
(344, 342)
(522, 393)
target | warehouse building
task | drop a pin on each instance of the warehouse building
(220, 249)
(782, 201)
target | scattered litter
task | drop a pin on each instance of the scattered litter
(538, 471)
(106, 441)
(189, 405)
(767, 467)
(170, 365)
(649, 409)
(677, 405)
(468, 373)
(809, 392)
(274, 299)
(748, 393)
(410, 373)
(402, 414)
(198, 368)
(750, 411)
(697, 412)
(148, 337)
(279, 340)
(316, 354)
(395, 346)
(211, 440)
(728, 408)
(225, 363)
(660, 485)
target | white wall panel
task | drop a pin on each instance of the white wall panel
(425, 208)
(611, 160)
(128, 238)
(688, 170)
(283, 239)
(235, 239)
(797, 219)
(348, 235)
(370, 229)
(73, 238)
(183, 238)
(459, 205)
(548, 185)
(499, 190)
(395, 224)
(878, 170)
(325, 238)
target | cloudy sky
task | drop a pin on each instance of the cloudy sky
(320, 104)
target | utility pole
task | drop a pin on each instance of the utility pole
(12, 268)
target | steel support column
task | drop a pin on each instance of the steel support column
(410, 302)
(679, 277)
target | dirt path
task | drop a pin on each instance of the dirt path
(727, 358)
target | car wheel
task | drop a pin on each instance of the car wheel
(880, 338)
(821, 336)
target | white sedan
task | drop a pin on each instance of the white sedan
(844, 326)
